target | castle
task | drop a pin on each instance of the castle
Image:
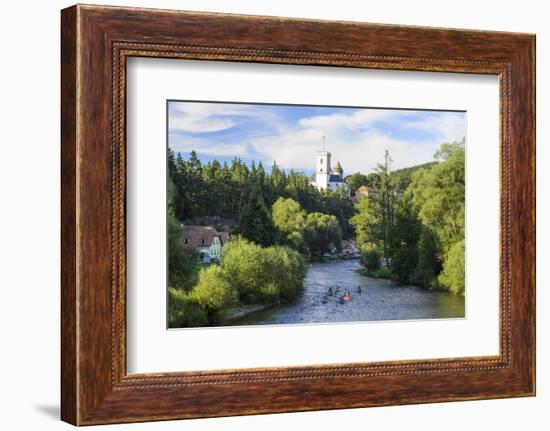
(326, 177)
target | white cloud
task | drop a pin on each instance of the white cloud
(356, 142)
(359, 152)
(185, 144)
(357, 120)
(197, 117)
(450, 126)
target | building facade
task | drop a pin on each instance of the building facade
(206, 240)
(327, 177)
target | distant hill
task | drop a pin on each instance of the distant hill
(411, 169)
(403, 175)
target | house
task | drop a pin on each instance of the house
(362, 191)
(349, 248)
(206, 240)
(327, 177)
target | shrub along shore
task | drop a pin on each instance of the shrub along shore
(248, 274)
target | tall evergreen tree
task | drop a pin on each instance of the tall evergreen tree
(386, 197)
(255, 222)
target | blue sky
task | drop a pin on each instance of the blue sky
(291, 135)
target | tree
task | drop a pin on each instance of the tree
(213, 291)
(338, 204)
(255, 223)
(323, 229)
(428, 266)
(263, 275)
(290, 270)
(385, 195)
(453, 274)
(439, 195)
(354, 181)
(368, 222)
(370, 257)
(406, 233)
(184, 311)
(300, 189)
(374, 218)
(446, 150)
(278, 182)
(290, 220)
(182, 261)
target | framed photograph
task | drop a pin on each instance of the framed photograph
(319, 214)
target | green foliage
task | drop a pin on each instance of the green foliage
(381, 273)
(354, 181)
(428, 266)
(367, 221)
(290, 271)
(370, 258)
(403, 176)
(249, 274)
(415, 217)
(374, 218)
(184, 311)
(338, 204)
(406, 233)
(453, 273)
(243, 266)
(290, 220)
(214, 292)
(182, 261)
(323, 229)
(446, 150)
(439, 195)
(263, 275)
(255, 223)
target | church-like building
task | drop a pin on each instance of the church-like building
(326, 177)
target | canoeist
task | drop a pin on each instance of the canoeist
(346, 296)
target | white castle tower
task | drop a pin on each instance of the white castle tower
(322, 176)
(327, 178)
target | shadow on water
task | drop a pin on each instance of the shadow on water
(377, 300)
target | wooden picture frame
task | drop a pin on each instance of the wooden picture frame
(95, 43)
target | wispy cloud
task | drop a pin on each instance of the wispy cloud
(291, 135)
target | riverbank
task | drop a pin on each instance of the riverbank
(242, 310)
(325, 259)
(385, 274)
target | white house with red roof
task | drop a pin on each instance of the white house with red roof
(206, 240)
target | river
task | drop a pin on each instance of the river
(380, 300)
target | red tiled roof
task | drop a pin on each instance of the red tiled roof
(347, 243)
(363, 189)
(202, 236)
